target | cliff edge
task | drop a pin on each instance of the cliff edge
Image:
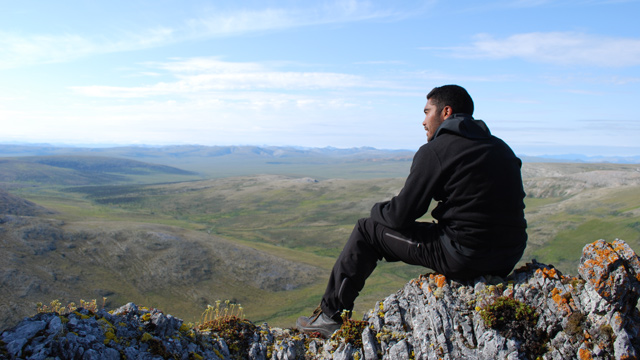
(536, 312)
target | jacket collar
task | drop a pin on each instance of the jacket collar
(464, 125)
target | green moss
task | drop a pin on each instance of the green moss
(505, 309)
(514, 319)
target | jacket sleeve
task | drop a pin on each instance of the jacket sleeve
(413, 200)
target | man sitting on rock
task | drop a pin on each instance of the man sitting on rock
(480, 230)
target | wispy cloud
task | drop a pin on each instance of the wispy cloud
(198, 75)
(561, 48)
(19, 49)
(244, 21)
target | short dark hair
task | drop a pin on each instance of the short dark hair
(451, 95)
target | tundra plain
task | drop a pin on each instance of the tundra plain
(181, 228)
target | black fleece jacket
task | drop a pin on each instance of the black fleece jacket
(475, 179)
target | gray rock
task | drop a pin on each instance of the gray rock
(399, 351)
(369, 344)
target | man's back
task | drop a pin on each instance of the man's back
(480, 196)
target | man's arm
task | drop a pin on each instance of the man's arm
(413, 200)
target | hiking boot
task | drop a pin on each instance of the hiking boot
(318, 322)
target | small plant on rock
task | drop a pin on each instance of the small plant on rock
(514, 319)
(221, 312)
(504, 310)
(55, 306)
(351, 330)
(227, 321)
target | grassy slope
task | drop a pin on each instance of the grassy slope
(262, 212)
(607, 214)
(292, 219)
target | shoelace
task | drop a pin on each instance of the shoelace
(316, 314)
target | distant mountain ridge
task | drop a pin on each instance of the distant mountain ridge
(238, 152)
(200, 151)
(579, 158)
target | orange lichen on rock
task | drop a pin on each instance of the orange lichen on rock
(441, 280)
(562, 299)
(548, 273)
(598, 269)
(584, 354)
(555, 295)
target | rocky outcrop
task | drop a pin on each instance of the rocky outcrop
(534, 313)
(590, 316)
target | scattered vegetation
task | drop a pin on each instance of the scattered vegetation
(515, 319)
(226, 320)
(56, 306)
(351, 330)
(221, 313)
(504, 310)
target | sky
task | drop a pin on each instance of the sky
(548, 77)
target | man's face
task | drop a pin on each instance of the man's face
(433, 118)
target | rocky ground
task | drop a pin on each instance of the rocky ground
(534, 313)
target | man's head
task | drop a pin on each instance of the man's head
(442, 102)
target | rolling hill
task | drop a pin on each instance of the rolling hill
(83, 170)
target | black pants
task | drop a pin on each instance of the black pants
(420, 245)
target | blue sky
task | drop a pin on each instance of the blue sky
(549, 77)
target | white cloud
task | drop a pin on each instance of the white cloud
(562, 48)
(199, 75)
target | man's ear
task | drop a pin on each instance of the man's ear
(447, 111)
